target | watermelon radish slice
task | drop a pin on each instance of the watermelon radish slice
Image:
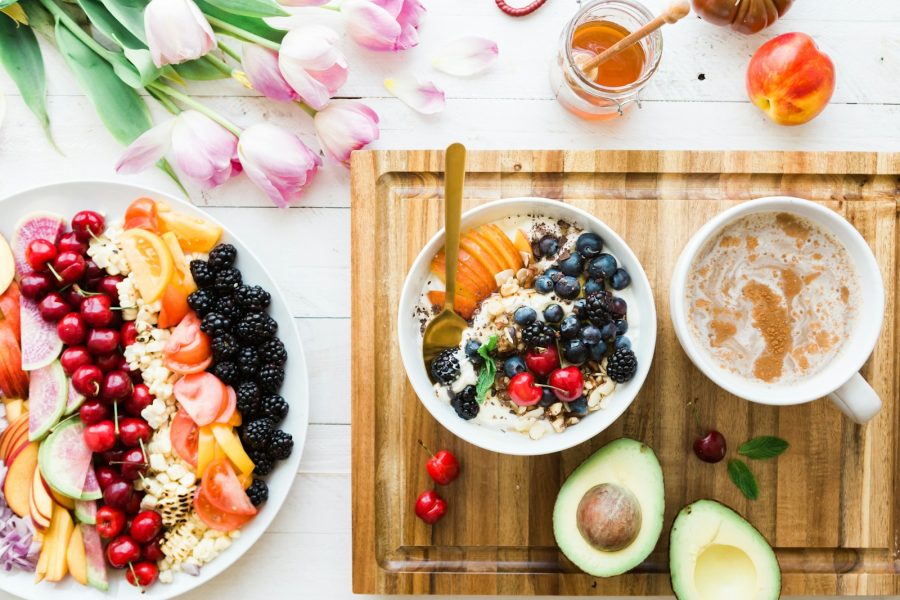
(34, 226)
(40, 343)
(96, 563)
(91, 489)
(74, 401)
(65, 459)
(86, 511)
(48, 392)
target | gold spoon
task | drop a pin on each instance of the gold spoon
(445, 330)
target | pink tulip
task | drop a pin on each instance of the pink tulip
(312, 64)
(261, 66)
(176, 31)
(344, 126)
(303, 2)
(384, 24)
(277, 161)
(202, 149)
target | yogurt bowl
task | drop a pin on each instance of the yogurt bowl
(501, 424)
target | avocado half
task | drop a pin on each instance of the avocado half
(715, 553)
(609, 512)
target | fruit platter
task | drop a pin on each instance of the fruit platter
(154, 399)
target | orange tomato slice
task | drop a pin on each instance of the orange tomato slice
(194, 234)
(229, 407)
(223, 489)
(141, 214)
(215, 518)
(184, 435)
(150, 261)
(202, 396)
(187, 346)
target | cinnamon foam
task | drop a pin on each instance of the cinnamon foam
(772, 297)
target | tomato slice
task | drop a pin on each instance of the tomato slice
(184, 435)
(193, 233)
(215, 518)
(188, 345)
(202, 396)
(223, 489)
(229, 407)
(183, 369)
(150, 262)
(142, 214)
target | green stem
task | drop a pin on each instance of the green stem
(230, 51)
(218, 63)
(334, 7)
(165, 101)
(198, 106)
(72, 26)
(306, 108)
(237, 32)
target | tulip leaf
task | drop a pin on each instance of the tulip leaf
(199, 70)
(130, 14)
(134, 50)
(5, 3)
(248, 24)
(39, 18)
(21, 56)
(251, 8)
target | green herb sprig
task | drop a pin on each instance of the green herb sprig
(488, 369)
(763, 447)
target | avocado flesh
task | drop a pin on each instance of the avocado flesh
(632, 466)
(714, 553)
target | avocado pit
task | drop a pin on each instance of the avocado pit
(609, 517)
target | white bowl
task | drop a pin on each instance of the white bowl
(112, 199)
(641, 330)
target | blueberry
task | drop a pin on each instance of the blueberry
(567, 287)
(547, 397)
(620, 279)
(621, 327)
(548, 246)
(591, 334)
(609, 331)
(472, 347)
(568, 329)
(573, 265)
(589, 244)
(622, 342)
(553, 273)
(553, 313)
(602, 267)
(592, 286)
(525, 316)
(513, 366)
(543, 284)
(578, 407)
(576, 352)
(598, 350)
(619, 307)
(578, 307)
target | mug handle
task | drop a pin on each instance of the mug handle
(857, 399)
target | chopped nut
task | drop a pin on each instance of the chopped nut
(535, 411)
(558, 424)
(555, 409)
(521, 275)
(537, 431)
(606, 388)
(493, 307)
(594, 398)
(572, 421)
(520, 410)
(509, 288)
(501, 321)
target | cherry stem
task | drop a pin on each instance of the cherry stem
(55, 274)
(428, 450)
(134, 575)
(542, 385)
(116, 415)
(93, 235)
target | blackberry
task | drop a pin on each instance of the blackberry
(445, 366)
(258, 492)
(228, 281)
(253, 298)
(599, 308)
(621, 365)
(270, 378)
(274, 407)
(256, 433)
(203, 274)
(228, 307)
(224, 346)
(226, 371)
(261, 462)
(247, 361)
(281, 444)
(256, 328)
(202, 302)
(538, 335)
(215, 324)
(248, 399)
(273, 352)
(465, 404)
(222, 256)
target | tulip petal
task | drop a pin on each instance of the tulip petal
(465, 56)
(371, 26)
(303, 2)
(147, 149)
(261, 67)
(176, 31)
(203, 149)
(344, 126)
(410, 16)
(312, 47)
(391, 7)
(424, 97)
(277, 162)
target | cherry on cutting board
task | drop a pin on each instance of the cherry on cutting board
(709, 447)
(430, 507)
(442, 466)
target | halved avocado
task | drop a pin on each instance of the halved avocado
(714, 553)
(609, 512)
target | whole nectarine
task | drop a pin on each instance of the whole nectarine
(790, 79)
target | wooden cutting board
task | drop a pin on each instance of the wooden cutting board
(830, 506)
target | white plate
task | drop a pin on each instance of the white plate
(112, 199)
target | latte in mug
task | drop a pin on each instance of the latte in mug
(772, 297)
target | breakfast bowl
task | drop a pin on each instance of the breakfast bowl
(541, 297)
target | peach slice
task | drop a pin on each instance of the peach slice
(464, 306)
(20, 478)
(464, 276)
(502, 240)
(523, 245)
(76, 558)
(486, 259)
(477, 236)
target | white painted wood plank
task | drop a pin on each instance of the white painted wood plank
(326, 343)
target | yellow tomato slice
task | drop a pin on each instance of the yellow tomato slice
(206, 449)
(194, 234)
(228, 440)
(180, 261)
(150, 261)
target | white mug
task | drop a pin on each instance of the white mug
(839, 380)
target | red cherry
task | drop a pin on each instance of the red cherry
(567, 384)
(442, 467)
(145, 525)
(140, 399)
(102, 341)
(87, 379)
(135, 375)
(93, 411)
(106, 476)
(110, 521)
(73, 296)
(69, 242)
(129, 333)
(116, 386)
(39, 253)
(108, 286)
(53, 307)
(133, 506)
(74, 357)
(97, 311)
(142, 574)
(87, 224)
(711, 447)
(430, 507)
(101, 436)
(92, 274)
(122, 551)
(153, 549)
(542, 361)
(523, 391)
(107, 362)
(133, 464)
(36, 285)
(71, 329)
(118, 494)
(70, 267)
(133, 431)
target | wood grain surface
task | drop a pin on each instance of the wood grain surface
(828, 505)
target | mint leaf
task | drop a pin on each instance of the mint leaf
(488, 370)
(743, 478)
(763, 447)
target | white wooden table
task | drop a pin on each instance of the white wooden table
(696, 101)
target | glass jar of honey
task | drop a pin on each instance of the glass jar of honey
(606, 91)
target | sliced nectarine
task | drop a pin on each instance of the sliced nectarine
(464, 307)
(58, 535)
(15, 407)
(464, 276)
(13, 435)
(502, 241)
(523, 245)
(488, 248)
(41, 502)
(20, 478)
(487, 260)
(76, 559)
